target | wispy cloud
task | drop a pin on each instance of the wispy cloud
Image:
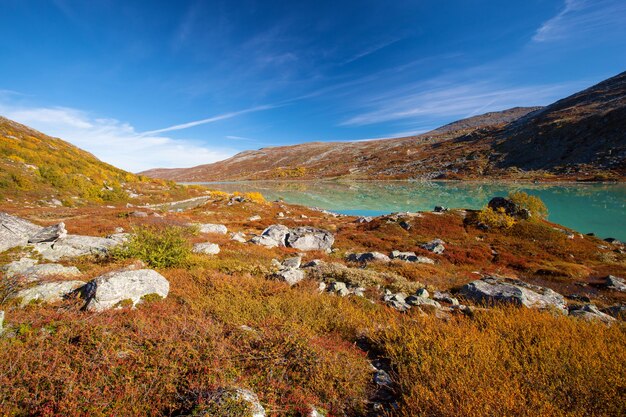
(452, 99)
(212, 119)
(580, 17)
(113, 141)
(371, 50)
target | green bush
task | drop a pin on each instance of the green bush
(158, 247)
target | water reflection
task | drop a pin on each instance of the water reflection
(599, 208)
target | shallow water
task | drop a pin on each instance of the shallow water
(597, 208)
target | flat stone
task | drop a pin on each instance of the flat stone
(293, 262)
(73, 246)
(255, 218)
(368, 257)
(445, 297)
(206, 248)
(415, 300)
(590, 312)
(48, 292)
(308, 238)
(15, 232)
(238, 237)
(111, 290)
(493, 290)
(213, 228)
(291, 276)
(49, 234)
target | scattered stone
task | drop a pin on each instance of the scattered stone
(339, 288)
(73, 246)
(291, 276)
(293, 262)
(49, 234)
(615, 283)
(312, 264)
(435, 246)
(238, 237)
(15, 232)
(274, 236)
(578, 297)
(618, 311)
(490, 290)
(255, 218)
(281, 214)
(415, 300)
(445, 298)
(440, 209)
(118, 230)
(321, 287)
(1, 321)
(363, 219)
(138, 214)
(405, 225)
(315, 412)
(125, 286)
(212, 228)
(590, 312)
(48, 292)
(411, 257)
(120, 237)
(396, 301)
(368, 257)
(206, 248)
(422, 292)
(308, 238)
(613, 241)
(19, 267)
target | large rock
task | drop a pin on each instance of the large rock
(31, 271)
(507, 206)
(435, 246)
(206, 248)
(309, 238)
(494, 290)
(15, 232)
(48, 292)
(274, 236)
(591, 313)
(213, 228)
(368, 257)
(615, 283)
(73, 246)
(49, 234)
(290, 275)
(126, 286)
(411, 257)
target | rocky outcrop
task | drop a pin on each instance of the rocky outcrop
(124, 287)
(48, 292)
(73, 246)
(411, 257)
(302, 238)
(505, 205)
(368, 257)
(615, 283)
(206, 248)
(212, 228)
(435, 246)
(31, 271)
(49, 234)
(15, 232)
(495, 290)
(289, 271)
(590, 312)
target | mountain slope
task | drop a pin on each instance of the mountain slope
(580, 137)
(37, 167)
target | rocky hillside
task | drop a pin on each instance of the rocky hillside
(580, 137)
(37, 168)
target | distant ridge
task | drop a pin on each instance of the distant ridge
(581, 137)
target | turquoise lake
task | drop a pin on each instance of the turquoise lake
(597, 208)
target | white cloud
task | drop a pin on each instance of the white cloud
(438, 99)
(581, 17)
(113, 141)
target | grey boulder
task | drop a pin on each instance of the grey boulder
(290, 275)
(273, 236)
(435, 246)
(494, 290)
(73, 246)
(411, 257)
(615, 283)
(368, 257)
(49, 234)
(48, 292)
(591, 313)
(206, 248)
(113, 289)
(309, 238)
(15, 232)
(213, 228)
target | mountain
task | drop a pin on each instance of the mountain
(37, 167)
(580, 137)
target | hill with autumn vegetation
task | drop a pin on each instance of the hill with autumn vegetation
(42, 169)
(582, 137)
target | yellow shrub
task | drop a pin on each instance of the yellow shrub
(532, 203)
(255, 197)
(495, 219)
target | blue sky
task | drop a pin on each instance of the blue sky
(146, 84)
